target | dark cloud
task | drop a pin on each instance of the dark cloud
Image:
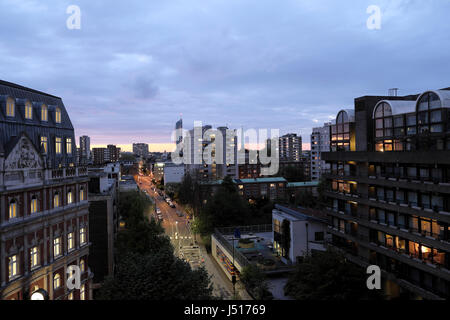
(135, 66)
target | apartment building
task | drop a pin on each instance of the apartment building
(140, 149)
(85, 150)
(44, 218)
(290, 147)
(389, 186)
(320, 142)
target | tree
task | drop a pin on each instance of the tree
(158, 276)
(255, 282)
(286, 237)
(328, 276)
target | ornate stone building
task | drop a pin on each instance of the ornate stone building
(44, 224)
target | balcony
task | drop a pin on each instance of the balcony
(70, 172)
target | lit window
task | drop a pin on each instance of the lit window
(34, 257)
(10, 112)
(82, 265)
(82, 292)
(44, 143)
(57, 247)
(33, 205)
(56, 200)
(56, 281)
(81, 194)
(69, 197)
(58, 146)
(83, 236)
(28, 110)
(69, 145)
(70, 296)
(44, 113)
(70, 241)
(58, 115)
(13, 267)
(13, 209)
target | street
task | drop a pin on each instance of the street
(185, 246)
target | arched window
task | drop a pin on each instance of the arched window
(341, 132)
(33, 205)
(28, 110)
(12, 209)
(81, 194)
(429, 113)
(56, 200)
(44, 113)
(10, 110)
(56, 281)
(58, 115)
(82, 265)
(69, 197)
(383, 120)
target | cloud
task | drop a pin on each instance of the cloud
(134, 66)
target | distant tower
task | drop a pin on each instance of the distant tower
(393, 92)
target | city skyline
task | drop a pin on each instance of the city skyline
(218, 63)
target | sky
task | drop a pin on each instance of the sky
(134, 67)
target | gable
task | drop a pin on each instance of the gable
(23, 156)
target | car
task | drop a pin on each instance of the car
(172, 205)
(158, 211)
(160, 217)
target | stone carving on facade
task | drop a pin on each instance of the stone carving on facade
(23, 156)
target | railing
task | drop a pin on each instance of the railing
(61, 173)
(238, 256)
(246, 229)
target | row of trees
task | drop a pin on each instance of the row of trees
(225, 208)
(146, 268)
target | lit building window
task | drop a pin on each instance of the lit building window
(58, 146)
(83, 236)
(28, 110)
(33, 205)
(10, 112)
(82, 292)
(69, 145)
(13, 209)
(44, 143)
(34, 257)
(58, 115)
(44, 113)
(70, 241)
(56, 281)
(70, 296)
(82, 265)
(57, 247)
(13, 267)
(81, 194)
(56, 200)
(69, 197)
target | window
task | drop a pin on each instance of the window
(318, 236)
(58, 115)
(57, 247)
(70, 241)
(69, 197)
(56, 200)
(69, 145)
(10, 111)
(383, 120)
(44, 113)
(428, 117)
(56, 281)
(82, 235)
(28, 110)
(70, 296)
(82, 292)
(58, 146)
(81, 194)
(13, 267)
(44, 143)
(12, 209)
(82, 265)
(34, 257)
(33, 205)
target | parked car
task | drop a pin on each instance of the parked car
(171, 204)
(158, 211)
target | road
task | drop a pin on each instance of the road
(177, 228)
